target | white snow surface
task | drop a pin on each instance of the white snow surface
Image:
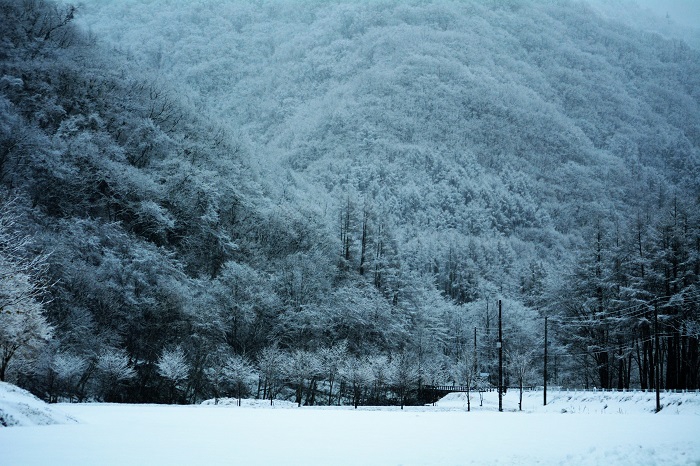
(18, 407)
(624, 433)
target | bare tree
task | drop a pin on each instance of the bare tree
(521, 365)
(465, 372)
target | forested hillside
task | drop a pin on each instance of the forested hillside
(325, 201)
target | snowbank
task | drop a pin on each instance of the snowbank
(18, 407)
(579, 402)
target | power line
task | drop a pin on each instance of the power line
(632, 310)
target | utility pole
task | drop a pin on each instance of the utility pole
(499, 345)
(545, 360)
(656, 359)
(476, 364)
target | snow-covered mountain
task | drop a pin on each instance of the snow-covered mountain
(218, 176)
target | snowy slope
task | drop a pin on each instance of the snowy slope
(18, 407)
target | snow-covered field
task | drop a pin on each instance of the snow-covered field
(624, 433)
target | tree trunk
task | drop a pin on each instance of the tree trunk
(651, 365)
(300, 391)
(363, 245)
(6, 357)
(520, 401)
(620, 370)
(642, 366)
(377, 260)
(311, 393)
(330, 389)
(602, 360)
(673, 361)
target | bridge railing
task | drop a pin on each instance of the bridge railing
(463, 388)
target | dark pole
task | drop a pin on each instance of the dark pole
(545, 360)
(500, 359)
(476, 365)
(656, 359)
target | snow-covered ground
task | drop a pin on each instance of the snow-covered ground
(625, 433)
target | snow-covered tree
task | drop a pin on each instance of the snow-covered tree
(465, 372)
(331, 360)
(520, 366)
(404, 374)
(380, 370)
(357, 373)
(239, 373)
(23, 327)
(114, 370)
(174, 368)
(302, 366)
(270, 363)
(69, 370)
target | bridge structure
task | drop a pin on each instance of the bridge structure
(451, 388)
(432, 393)
(463, 388)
